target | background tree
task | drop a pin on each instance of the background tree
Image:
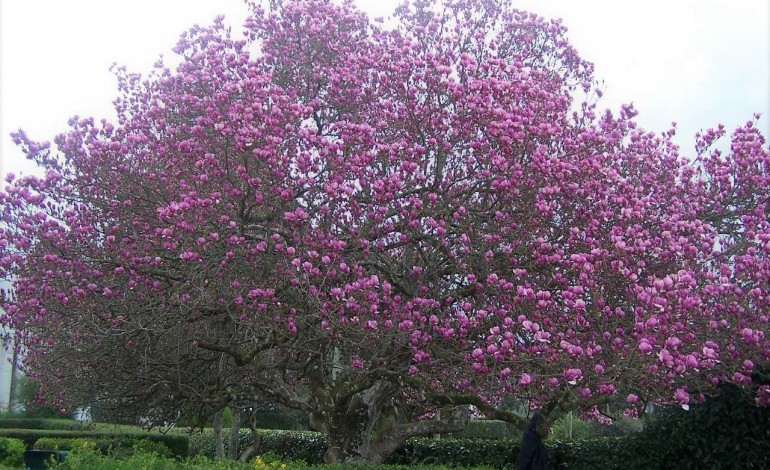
(383, 227)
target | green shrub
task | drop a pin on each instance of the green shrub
(64, 443)
(489, 429)
(202, 443)
(582, 430)
(307, 446)
(457, 452)
(139, 460)
(95, 461)
(11, 452)
(117, 447)
(41, 423)
(605, 453)
(27, 436)
(724, 432)
(123, 447)
(152, 447)
(178, 444)
(727, 431)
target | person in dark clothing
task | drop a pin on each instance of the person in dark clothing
(533, 455)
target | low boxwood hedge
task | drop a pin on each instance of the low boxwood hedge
(64, 443)
(488, 429)
(119, 447)
(457, 452)
(42, 423)
(95, 461)
(179, 444)
(306, 446)
(309, 447)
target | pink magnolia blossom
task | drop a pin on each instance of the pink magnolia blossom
(438, 204)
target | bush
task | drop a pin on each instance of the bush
(97, 461)
(583, 430)
(489, 429)
(307, 446)
(605, 453)
(11, 452)
(94, 461)
(117, 447)
(41, 423)
(266, 417)
(63, 443)
(724, 432)
(457, 452)
(123, 447)
(151, 447)
(179, 444)
(727, 431)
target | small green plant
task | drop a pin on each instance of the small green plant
(260, 464)
(11, 452)
(152, 447)
(58, 443)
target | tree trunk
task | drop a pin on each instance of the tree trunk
(256, 440)
(220, 445)
(365, 429)
(235, 432)
(356, 443)
(348, 437)
(14, 381)
(350, 424)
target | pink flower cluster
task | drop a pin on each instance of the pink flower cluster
(426, 198)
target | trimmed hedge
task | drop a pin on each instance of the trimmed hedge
(488, 429)
(306, 446)
(64, 443)
(309, 447)
(610, 453)
(94, 461)
(179, 444)
(119, 447)
(42, 423)
(457, 452)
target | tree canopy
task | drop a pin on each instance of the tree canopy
(381, 225)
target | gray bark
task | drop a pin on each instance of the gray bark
(365, 428)
(235, 432)
(12, 398)
(220, 445)
(256, 440)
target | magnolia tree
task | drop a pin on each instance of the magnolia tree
(387, 227)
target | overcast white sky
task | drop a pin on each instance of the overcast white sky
(697, 62)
